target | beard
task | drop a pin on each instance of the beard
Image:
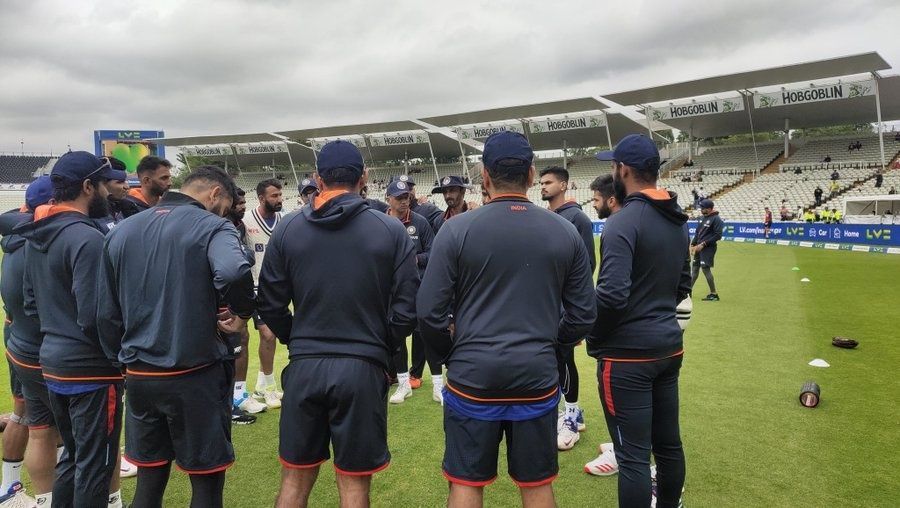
(546, 197)
(619, 189)
(272, 208)
(603, 212)
(157, 190)
(98, 207)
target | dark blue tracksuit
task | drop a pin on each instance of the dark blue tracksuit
(422, 235)
(644, 273)
(568, 369)
(164, 274)
(349, 271)
(62, 258)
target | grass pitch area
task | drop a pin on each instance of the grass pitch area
(748, 441)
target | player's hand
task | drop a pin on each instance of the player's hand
(452, 329)
(422, 199)
(472, 205)
(233, 324)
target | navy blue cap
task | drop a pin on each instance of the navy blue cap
(398, 188)
(634, 150)
(78, 166)
(117, 175)
(339, 154)
(448, 182)
(404, 178)
(308, 184)
(706, 203)
(507, 145)
(39, 192)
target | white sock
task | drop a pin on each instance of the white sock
(269, 380)
(572, 407)
(12, 473)
(59, 452)
(403, 379)
(115, 500)
(240, 388)
(437, 381)
(43, 500)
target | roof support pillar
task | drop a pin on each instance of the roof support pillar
(880, 126)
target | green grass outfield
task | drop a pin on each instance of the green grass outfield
(748, 441)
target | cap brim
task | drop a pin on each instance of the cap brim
(606, 155)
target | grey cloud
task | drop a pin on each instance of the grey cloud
(227, 66)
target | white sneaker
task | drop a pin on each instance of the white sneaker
(568, 436)
(403, 392)
(268, 392)
(250, 405)
(271, 398)
(127, 469)
(437, 394)
(16, 497)
(605, 464)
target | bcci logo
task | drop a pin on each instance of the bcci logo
(411, 230)
(446, 181)
(404, 178)
(306, 182)
(401, 185)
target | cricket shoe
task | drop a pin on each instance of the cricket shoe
(437, 394)
(712, 297)
(605, 464)
(240, 417)
(127, 469)
(569, 435)
(250, 405)
(579, 420)
(403, 392)
(16, 497)
(269, 395)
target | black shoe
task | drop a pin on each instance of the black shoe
(712, 297)
(241, 417)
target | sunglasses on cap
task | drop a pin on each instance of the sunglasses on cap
(106, 164)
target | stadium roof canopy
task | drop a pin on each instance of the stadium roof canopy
(582, 122)
(741, 87)
(819, 69)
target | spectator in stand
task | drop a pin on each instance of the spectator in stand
(696, 197)
(825, 216)
(892, 191)
(858, 146)
(818, 194)
(850, 147)
(836, 216)
(835, 175)
(897, 137)
(827, 158)
(879, 179)
(835, 187)
(799, 215)
(767, 221)
(785, 213)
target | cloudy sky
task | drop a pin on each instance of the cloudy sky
(68, 67)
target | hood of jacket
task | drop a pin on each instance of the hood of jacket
(333, 209)
(663, 201)
(49, 221)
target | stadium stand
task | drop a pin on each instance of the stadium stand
(811, 154)
(737, 158)
(867, 188)
(747, 202)
(20, 169)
